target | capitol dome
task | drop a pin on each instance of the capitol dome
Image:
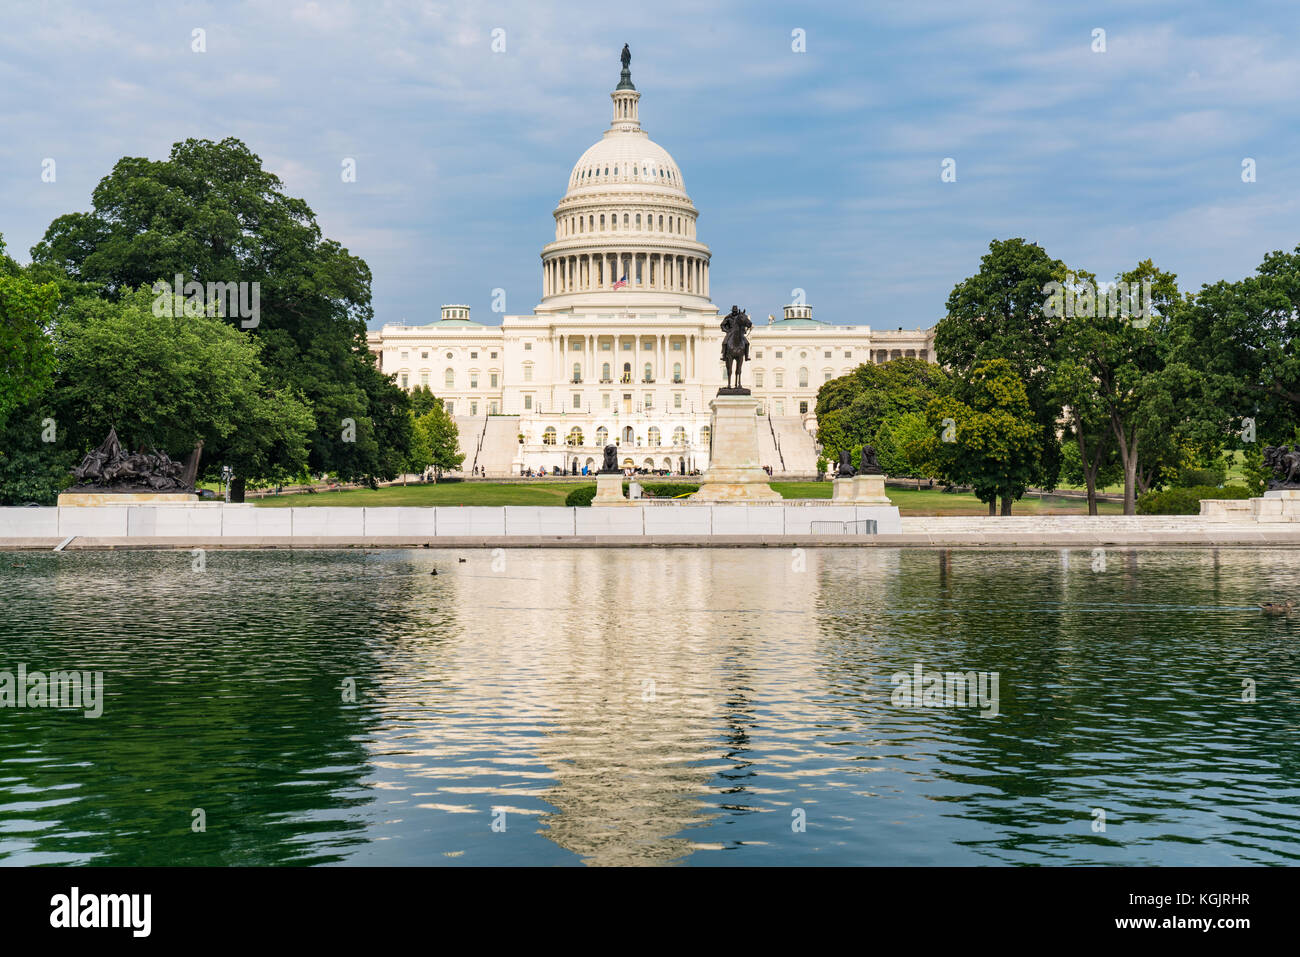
(625, 227)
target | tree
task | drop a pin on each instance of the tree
(996, 441)
(442, 435)
(851, 408)
(26, 355)
(1241, 338)
(422, 400)
(210, 213)
(169, 381)
(905, 446)
(420, 456)
(998, 313)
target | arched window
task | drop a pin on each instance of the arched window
(638, 220)
(679, 436)
(548, 437)
(629, 437)
(450, 378)
(803, 378)
(649, 373)
(577, 372)
(677, 372)
(625, 220)
(602, 436)
(575, 436)
(604, 372)
(602, 222)
(613, 221)
(653, 438)
(661, 224)
(627, 372)
(591, 223)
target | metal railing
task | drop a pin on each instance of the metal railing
(866, 526)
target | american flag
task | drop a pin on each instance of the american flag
(622, 282)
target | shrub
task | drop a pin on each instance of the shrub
(667, 489)
(1186, 501)
(582, 495)
(1191, 477)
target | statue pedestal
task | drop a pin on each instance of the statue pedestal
(734, 473)
(866, 489)
(609, 489)
(1277, 505)
(127, 498)
(869, 490)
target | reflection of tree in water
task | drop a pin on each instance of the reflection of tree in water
(222, 692)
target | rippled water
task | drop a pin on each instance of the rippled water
(652, 706)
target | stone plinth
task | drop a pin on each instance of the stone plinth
(127, 498)
(869, 490)
(860, 490)
(735, 473)
(609, 489)
(1277, 505)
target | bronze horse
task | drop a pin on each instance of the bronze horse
(735, 345)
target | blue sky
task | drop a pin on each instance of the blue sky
(817, 170)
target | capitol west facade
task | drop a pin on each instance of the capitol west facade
(625, 344)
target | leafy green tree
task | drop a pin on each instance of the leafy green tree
(1111, 374)
(442, 435)
(35, 460)
(999, 313)
(169, 381)
(27, 312)
(422, 400)
(420, 456)
(996, 445)
(905, 446)
(851, 408)
(1241, 338)
(211, 214)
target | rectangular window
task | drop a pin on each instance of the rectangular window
(493, 355)
(450, 406)
(604, 401)
(780, 406)
(647, 346)
(828, 377)
(649, 401)
(405, 355)
(424, 355)
(848, 353)
(528, 401)
(424, 378)
(677, 347)
(473, 408)
(758, 380)
(494, 409)
(627, 346)
(404, 383)
(606, 346)
(575, 347)
(493, 377)
(828, 353)
(473, 355)
(779, 378)
(473, 380)
(779, 353)
(677, 400)
(528, 347)
(758, 353)
(577, 400)
(528, 373)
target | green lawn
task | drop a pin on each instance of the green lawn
(909, 501)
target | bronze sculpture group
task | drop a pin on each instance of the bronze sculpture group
(1285, 464)
(110, 469)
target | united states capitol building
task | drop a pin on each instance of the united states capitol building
(625, 344)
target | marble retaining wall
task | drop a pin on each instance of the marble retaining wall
(218, 520)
